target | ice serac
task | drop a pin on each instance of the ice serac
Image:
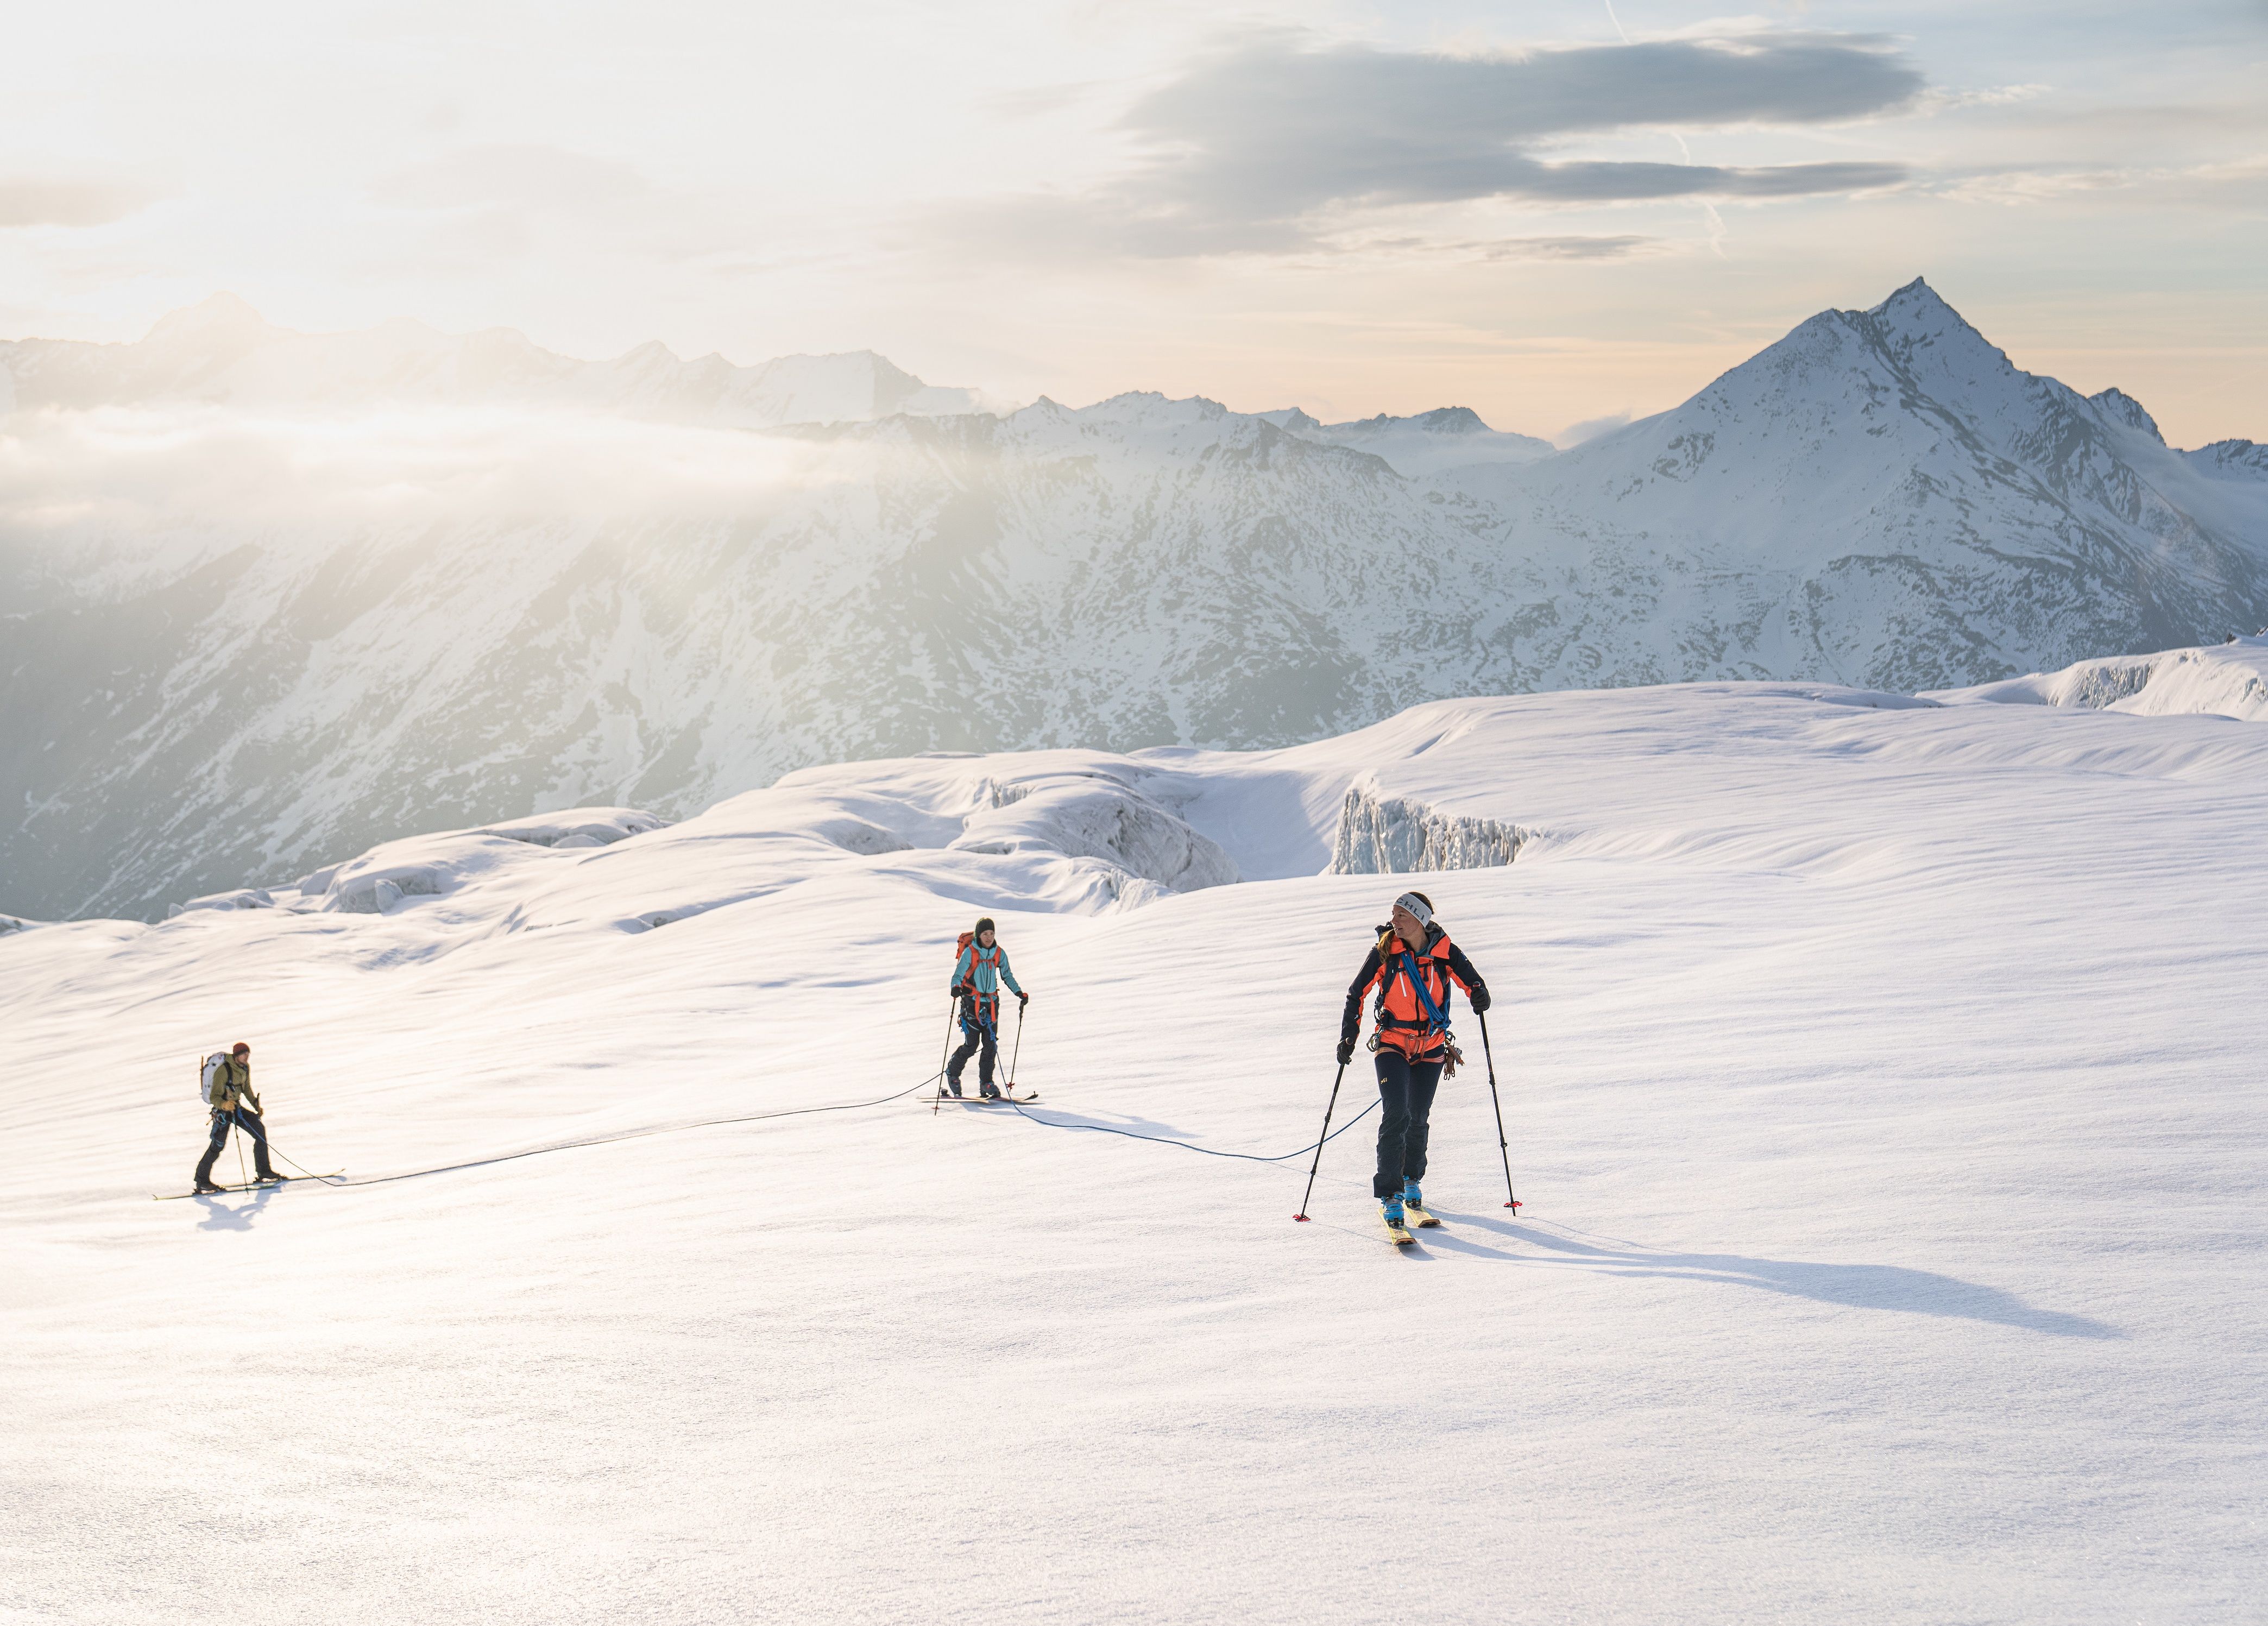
(1382, 834)
(216, 671)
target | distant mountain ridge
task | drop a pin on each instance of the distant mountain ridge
(223, 353)
(203, 690)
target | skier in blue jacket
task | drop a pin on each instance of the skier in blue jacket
(976, 978)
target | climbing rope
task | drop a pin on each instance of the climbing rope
(799, 1112)
(608, 1140)
(1210, 1151)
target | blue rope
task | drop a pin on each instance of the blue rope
(1247, 1157)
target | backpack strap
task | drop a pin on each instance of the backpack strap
(1404, 962)
(1433, 1012)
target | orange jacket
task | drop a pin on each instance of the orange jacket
(1403, 1024)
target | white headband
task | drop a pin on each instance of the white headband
(1416, 905)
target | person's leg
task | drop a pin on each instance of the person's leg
(1425, 1080)
(212, 1149)
(248, 1121)
(1393, 1122)
(985, 1058)
(970, 1035)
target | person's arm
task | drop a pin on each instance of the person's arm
(1469, 980)
(1009, 977)
(1350, 1019)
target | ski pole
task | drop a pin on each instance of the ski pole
(1018, 1050)
(1503, 1149)
(945, 1056)
(244, 1175)
(1320, 1139)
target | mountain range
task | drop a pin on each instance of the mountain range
(267, 598)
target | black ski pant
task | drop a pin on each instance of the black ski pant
(977, 1035)
(244, 1118)
(1405, 1094)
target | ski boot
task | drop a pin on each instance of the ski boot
(1413, 1204)
(269, 1178)
(203, 1188)
(989, 1090)
(1390, 1212)
(952, 1087)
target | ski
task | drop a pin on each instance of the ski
(1396, 1235)
(981, 1100)
(1424, 1217)
(224, 1191)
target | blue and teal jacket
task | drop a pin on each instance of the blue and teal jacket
(982, 975)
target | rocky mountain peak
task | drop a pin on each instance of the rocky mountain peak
(2118, 404)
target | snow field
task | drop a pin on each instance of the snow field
(2226, 680)
(1881, 1078)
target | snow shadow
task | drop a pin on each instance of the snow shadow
(220, 1216)
(1861, 1287)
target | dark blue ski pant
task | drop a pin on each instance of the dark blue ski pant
(244, 1118)
(975, 1034)
(1405, 1094)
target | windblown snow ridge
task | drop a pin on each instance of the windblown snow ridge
(1380, 835)
(2224, 680)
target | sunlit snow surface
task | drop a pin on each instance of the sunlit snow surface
(2226, 680)
(1881, 1078)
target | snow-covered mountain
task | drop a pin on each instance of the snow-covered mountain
(248, 628)
(1882, 496)
(1426, 443)
(221, 353)
(1880, 1080)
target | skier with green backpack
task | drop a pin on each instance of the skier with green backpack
(225, 1086)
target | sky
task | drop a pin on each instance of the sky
(1559, 215)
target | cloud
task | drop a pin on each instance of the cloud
(216, 474)
(1565, 247)
(1589, 428)
(25, 203)
(1255, 148)
(2239, 184)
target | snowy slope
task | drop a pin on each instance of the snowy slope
(1881, 1076)
(242, 638)
(2224, 680)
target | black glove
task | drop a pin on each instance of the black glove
(1346, 1049)
(1022, 999)
(1480, 998)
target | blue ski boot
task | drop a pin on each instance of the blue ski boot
(1390, 1212)
(1413, 1204)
